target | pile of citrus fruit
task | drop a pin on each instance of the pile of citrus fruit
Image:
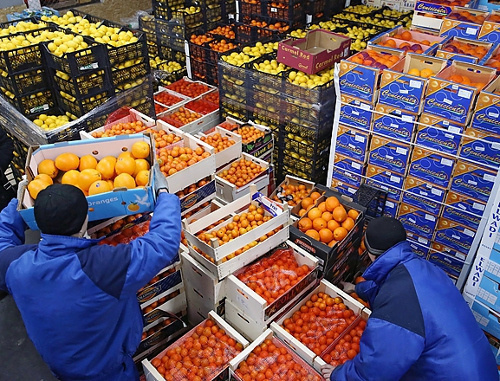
(241, 172)
(218, 141)
(375, 59)
(121, 129)
(129, 170)
(159, 302)
(465, 48)
(291, 194)
(127, 235)
(347, 347)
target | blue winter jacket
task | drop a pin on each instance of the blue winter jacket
(78, 299)
(420, 327)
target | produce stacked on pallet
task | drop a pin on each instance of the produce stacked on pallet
(407, 134)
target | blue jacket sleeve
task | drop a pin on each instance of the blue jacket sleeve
(367, 291)
(381, 358)
(157, 248)
(12, 226)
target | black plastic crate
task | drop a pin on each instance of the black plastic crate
(213, 56)
(87, 84)
(147, 23)
(161, 11)
(308, 149)
(170, 54)
(136, 95)
(261, 100)
(310, 133)
(235, 74)
(233, 91)
(373, 199)
(308, 170)
(262, 81)
(199, 70)
(173, 4)
(146, 107)
(150, 36)
(228, 10)
(248, 11)
(319, 94)
(164, 78)
(308, 113)
(24, 58)
(79, 107)
(189, 20)
(24, 82)
(197, 52)
(273, 122)
(213, 13)
(291, 11)
(153, 50)
(229, 107)
(171, 40)
(95, 56)
(95, 19)
(131, 51)
(131, 73)
(32, 103)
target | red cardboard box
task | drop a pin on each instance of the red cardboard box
(319, 50)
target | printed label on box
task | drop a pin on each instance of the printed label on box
(419, 249)
(473, 180)
(463, 209)
(398, 124)
(448, 264)
(417, 220)
(343, 187)
(347, 164)
(432, 8)
(356, 113)
(389, 154)
(391, 208)
(455, 28)
(392, 180)
(431, 166)
(441, 138)
(475, 148)
(352, 142)
(449, 251)
(454, 235)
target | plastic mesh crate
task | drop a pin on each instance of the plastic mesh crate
(291, 11)
(84, 85)
(311, 133)
(229, 107)
(372, 198)
(131, 73)
(307, 170)
(249, 10)
(24, 82)
(320, 94)
(233, 91)
(19, 59)
(79, 107)
(131, 51)
(231, 73)
(147, 23)
(171, 40)
(213, 13)
(161, 11)
(189, 20)
(34, 102)
(228, 9)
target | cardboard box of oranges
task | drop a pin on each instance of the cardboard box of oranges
(328, 226)
(490, 31)
(487, 108)
(463, 22)
(123, 199)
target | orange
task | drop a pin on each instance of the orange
(426, 73)
(315, 195)
(353, 213)
(314, 213)
(71, 177)
(36, 186)
(307, 202)
(340, 233)
(99, 186)
(339, 214)
(414, 71)
(332, 225)
(125, 165)
(140, 150)
(45, 178)
(331, 203)
(319, 223)
(87, 162)
(327, 216)
(142, 178)
(67, 161)
(406, 36)
(325, 235)
(390, 43)
(124, 180)
(332, 243)
(141, 165)
(322, 206)
(87, 177)
(305, 224)
(456, 78)
(313, 234)
(302, 212)
(466, 80)
(124, 154)
(348, 223)
(107, 167)
(48, 167)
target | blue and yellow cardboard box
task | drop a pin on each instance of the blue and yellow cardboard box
(449, 251)
(388, 180)
(463, 209)
(421, 40)
(346, 163)
(388, 153)
(455, 24)
(481, 147)
(423, 195)
(490, 31)
(450, 265)
(391, 208)
(392, 122)
(455, 235)
(355, 112)
(352, 142)
(441, 138)
(487, 110)
(417, 220)
(473, 180)
(346, 177)
(436, 168)
(450, 52)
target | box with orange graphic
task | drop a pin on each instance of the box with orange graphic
(392, 122)
(465, 50)
(454, 235)
(487, 111)
(417, 221)
(481, 147)
(463, 209)
(431, 166)
(493, 59)
(473, 180)
(404, 85)
(463, 22)
(452, 93)
(390, 154)
(490, 31)
(445, 139)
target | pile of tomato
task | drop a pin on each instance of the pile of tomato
(127, 235)
(347, 347)
(273, 276)
(167, 99)
(188, 88)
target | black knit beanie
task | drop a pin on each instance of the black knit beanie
(383, 233)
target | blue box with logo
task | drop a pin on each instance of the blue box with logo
(406, 91)
(449, 251)
(347, 164)
(452, 100)
(455, 25)
(437, 8)
(343, 187)
(346, 177)
(390, 180)
(417, 220)
(359, 80)
(455, 235)
(473, 180)
(463, 209)
(352, 142)
(390, 154)
(419, 244)
(355, 112)
(423, 195)
(441, 138)
(391, 208)
(450, 265)
(431, 166)
(490, 31)
(487, 110)
(452, 50)
(481, 147)
(391, 122)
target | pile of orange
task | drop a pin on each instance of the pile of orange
(347, 347)
(167, 99)
(181, 117)
(406, 46)
(173, 159)
(281, 27)
(465, 48)
(127, 235)
(465, 80)
(130, 170)
(493, 18)
(159, 108)
(188, 88)
(329, 222)
(273, 276)
(375, 59)
(494, 61)
(191, 212)
(249, 133)
(319, 321)
(115, 226)
(272, 361)
(291, 194)
(222, 45)
(218, 141)
(201, 39)
(164, 139)
(200, 356)
(308, 202)
(191, 188)
(424, 73)
(157, 327)
(241, 172)
(467, 16)
(225, 30)
(159, 302)
(121, 129)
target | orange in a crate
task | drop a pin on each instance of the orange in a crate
(465, 49)
(347, 347)
(167, 99)
(199, 356)
(190, 89)
(121, 129)
(217, 141)
(181, 117)
(241, 172)
(296, 193)
(273, 276)
(272, 361)
(319, 321)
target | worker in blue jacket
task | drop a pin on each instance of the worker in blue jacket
(78, 299)
(421, 327)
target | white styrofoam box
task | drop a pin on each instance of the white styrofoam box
(153, 375)
(303, 351)
(230, 153)
(203, 123)
(134, 116)
(186, 79)
(180, 180)
(202, 281)
(219, 252)
(172, 306)
(252, 328)
(256, 307)
(118, 202)
(231, 192)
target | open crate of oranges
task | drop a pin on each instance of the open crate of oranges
(292, 191)
(204, 351)
(237, 233)
(227, 144)
(311, 327)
